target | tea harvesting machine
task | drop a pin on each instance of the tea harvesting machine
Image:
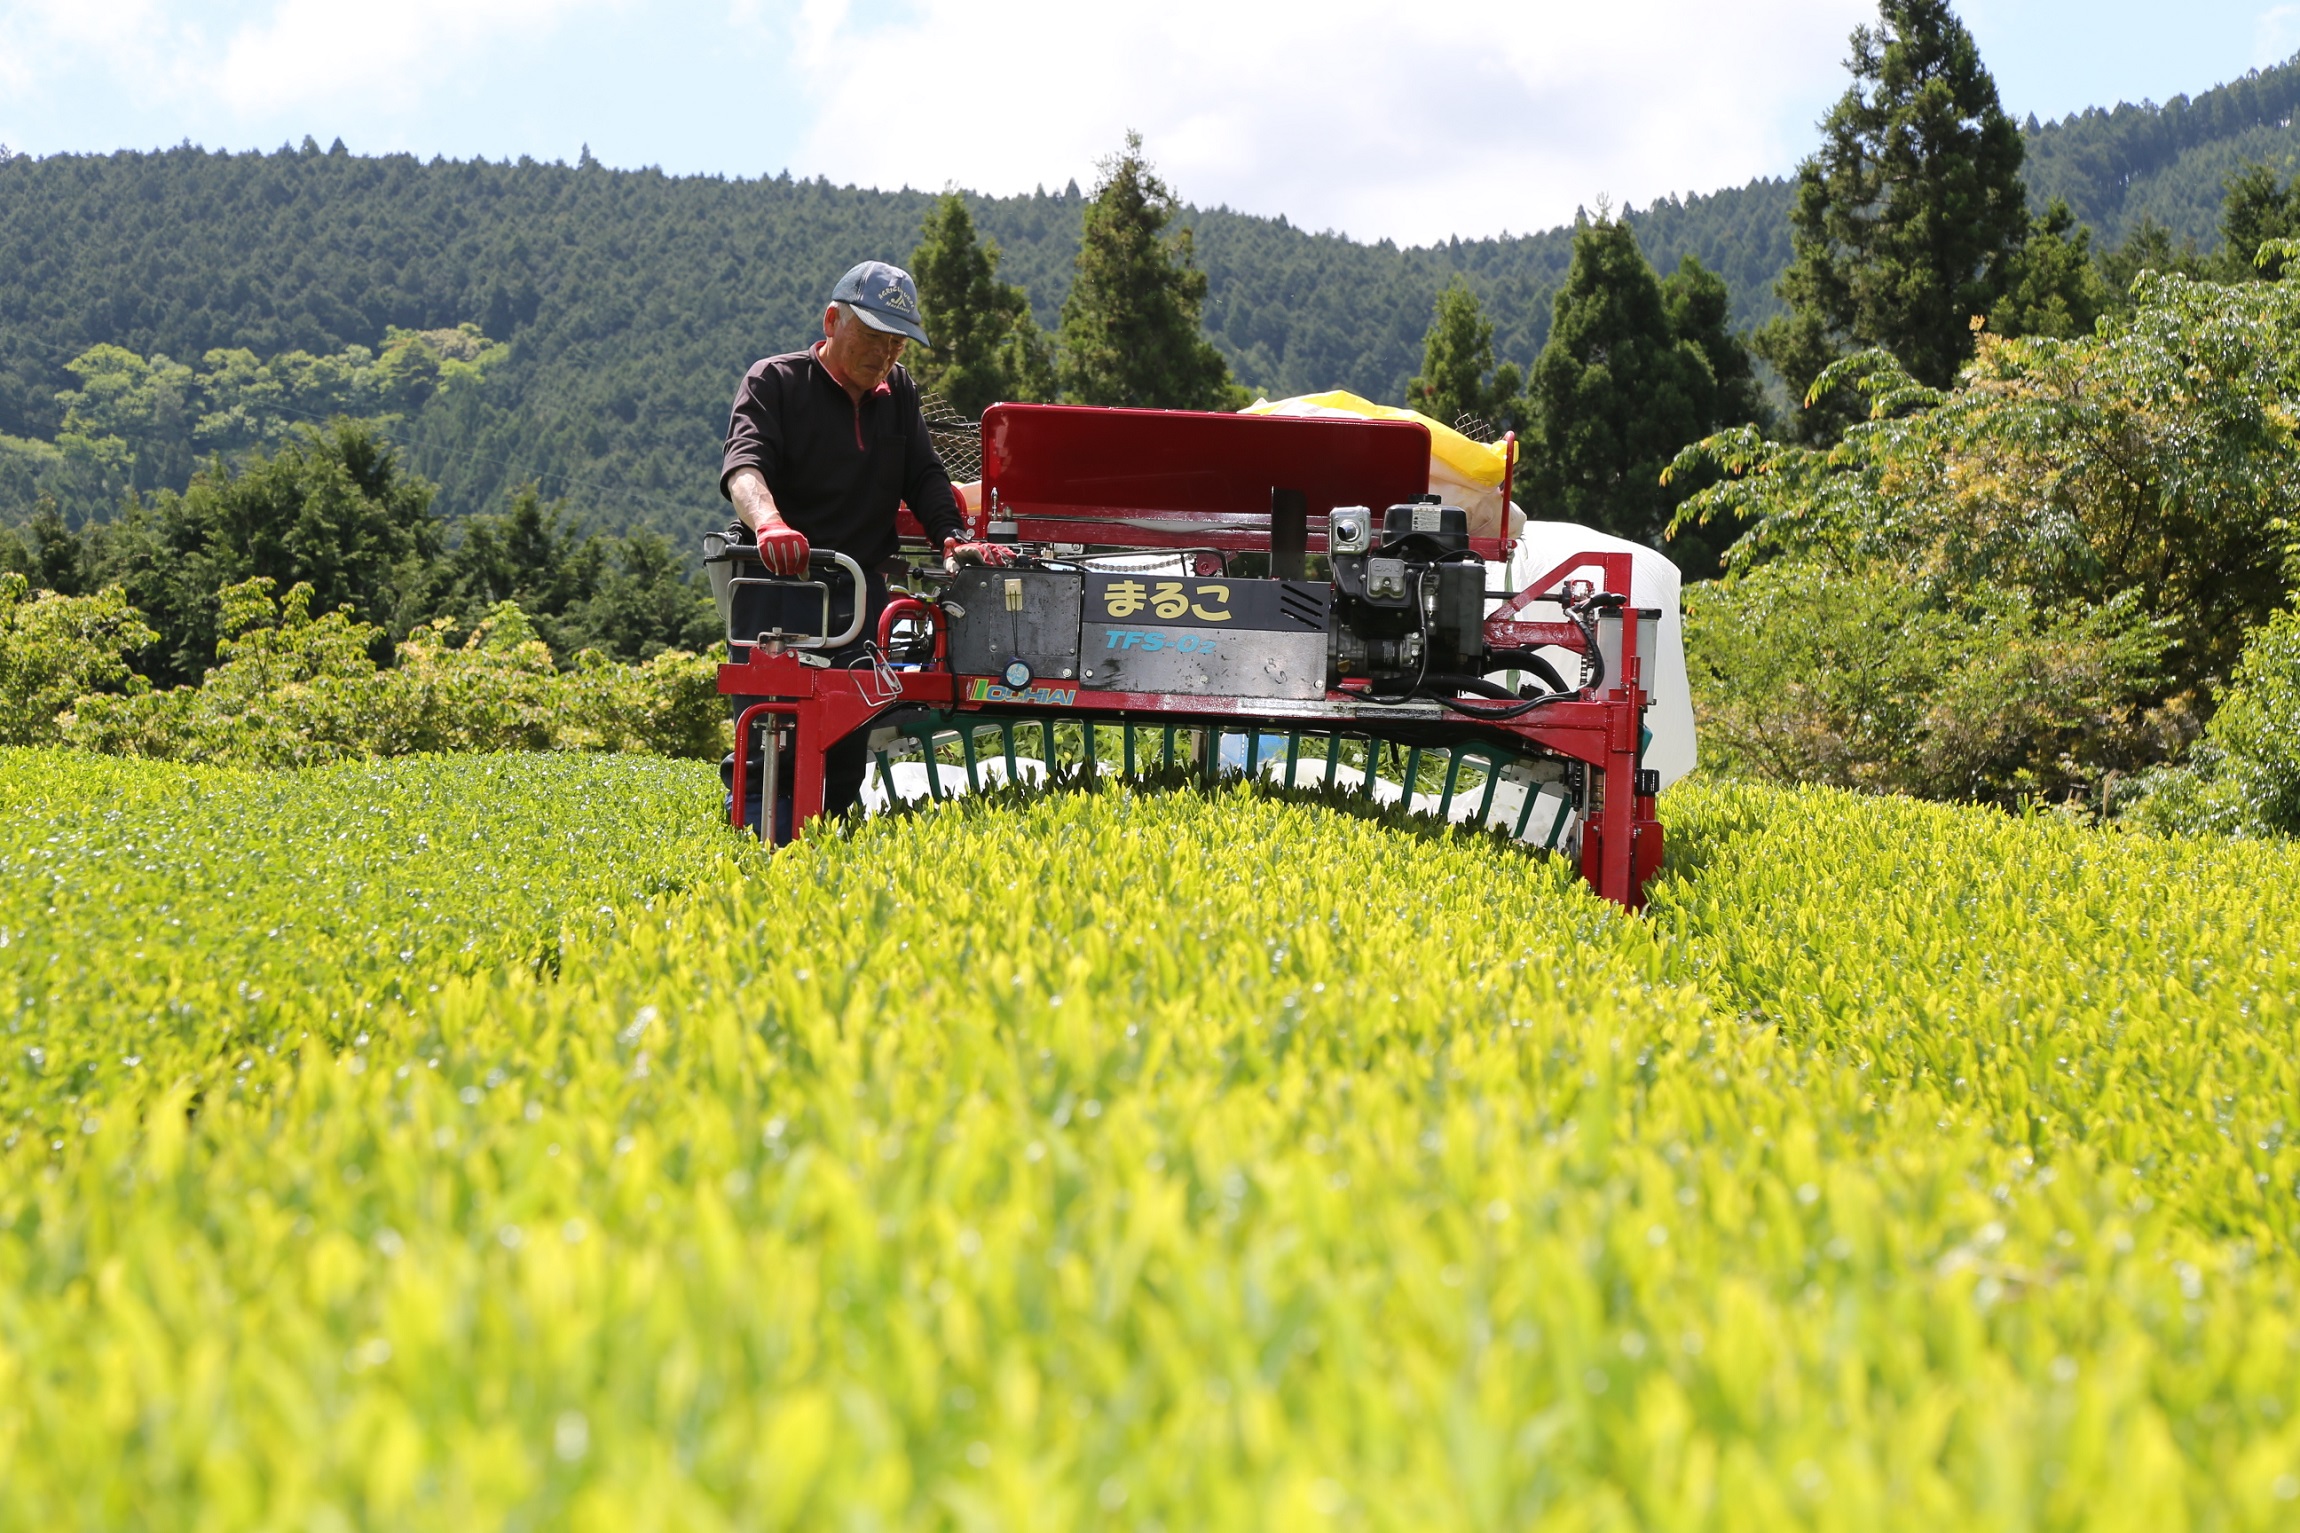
(1120, 627)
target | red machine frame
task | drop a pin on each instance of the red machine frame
(1153, 480)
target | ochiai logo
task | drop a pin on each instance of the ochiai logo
(983, 690)
(895, 298)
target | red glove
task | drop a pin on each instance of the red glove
(996, 555)
(783, 549)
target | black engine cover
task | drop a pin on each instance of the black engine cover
(1010, 615)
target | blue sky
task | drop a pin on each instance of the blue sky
(1408, 121)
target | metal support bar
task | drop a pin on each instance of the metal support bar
(1557, 826)
(771, 716)
(922, 735)
(1452, 772)
(771, 784)
(933, 767)
(1493, 771)
(1525, 810)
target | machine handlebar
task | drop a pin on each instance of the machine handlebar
(862, 601)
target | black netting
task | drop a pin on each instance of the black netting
(957, 440)
(1476, 427)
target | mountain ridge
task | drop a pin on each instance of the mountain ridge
(632, 300)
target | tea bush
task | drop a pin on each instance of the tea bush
(292, 689)
(497, 1142)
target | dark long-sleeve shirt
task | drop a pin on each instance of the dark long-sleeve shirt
(838, 467)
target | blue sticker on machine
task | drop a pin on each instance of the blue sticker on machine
(1182, 641)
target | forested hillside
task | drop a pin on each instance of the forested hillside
(631, 300)
(2167, 163)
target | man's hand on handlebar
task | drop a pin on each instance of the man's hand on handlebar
(783, 548)
(995, 555)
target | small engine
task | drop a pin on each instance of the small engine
(1410, 607)
(1403, 616)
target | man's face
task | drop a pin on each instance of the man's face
(863, 356)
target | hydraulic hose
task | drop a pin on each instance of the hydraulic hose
(1455, 681)
(1517, 710)
(1525, 660)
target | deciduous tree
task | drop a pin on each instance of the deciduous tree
(54, 650)
(2152, 462)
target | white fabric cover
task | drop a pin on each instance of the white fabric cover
(1654, 583)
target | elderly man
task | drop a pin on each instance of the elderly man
(825, 443)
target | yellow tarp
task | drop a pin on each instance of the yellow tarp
(1466, 473)
(1477, 462)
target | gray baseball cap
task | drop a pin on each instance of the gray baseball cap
(884, 297)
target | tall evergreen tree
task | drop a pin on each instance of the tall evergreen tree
(1700, 312)
(529, 555)
(1625, 381)
(647, 604)
(1908, 217)
(48, 553)
(2256, 210)
(2147, 246)
(1458, 379)
(986, 345)
(1130, 333)
(2053, 285)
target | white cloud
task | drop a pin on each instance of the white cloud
(2276, 36)
(257, 58)
(136, 36)
(1412, 121)
(308, 51)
